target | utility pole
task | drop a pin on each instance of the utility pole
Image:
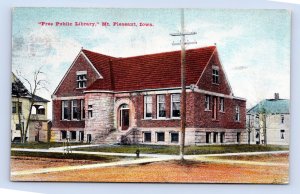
(182, 43)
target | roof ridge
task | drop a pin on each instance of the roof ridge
(166, 52)
(153, 54)
(83, 50)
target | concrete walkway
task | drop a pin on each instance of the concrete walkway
(149, 158)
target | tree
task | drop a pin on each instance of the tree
(249, 126)
(35, 84)
(262, 116)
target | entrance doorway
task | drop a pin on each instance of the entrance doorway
(124, 117)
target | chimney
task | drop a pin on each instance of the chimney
(276, 96)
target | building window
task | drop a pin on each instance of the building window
(282, 133)
(89, 138)
(208, 137)
(214, 108)
(215, 137)
(19, 126)
(81, 79)
(222, 137)
(215, 75)
(40, 110)
(147, 107)
(160, 136)
(81, 135)
(15, 109)
(90, 111)
(147, 136)
(75, 110)
(73, 135)
(221, 105)
(237, 113)
(82, 110)
(174, 137)
(63, 134)
(65, 110)
(207, 102)
(175, 105)
(238, 137)
(161, 106)
(282, 119)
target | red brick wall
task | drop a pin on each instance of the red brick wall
(206, 81)
(196, 115)
(69, 84)
(224, 119)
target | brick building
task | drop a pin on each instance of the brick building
(104, 99)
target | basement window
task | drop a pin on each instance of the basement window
(174, 137)
(147, 136)
(63, 134)
(160, 136)
(73, 135)
(238, 137)
(208, 137)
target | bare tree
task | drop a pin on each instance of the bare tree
(35, 84)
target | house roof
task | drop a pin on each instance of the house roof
(161, 70)
(18, 87)
(271, 106)
(39, 99)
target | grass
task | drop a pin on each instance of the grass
(42, 145)
(189, 150)
(67, 156)
(262, 157)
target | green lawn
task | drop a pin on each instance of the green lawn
(189, 150)
(41, 145)
(68, 156)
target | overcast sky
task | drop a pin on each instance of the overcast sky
(253, 45)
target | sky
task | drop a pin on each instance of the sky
(253, 45)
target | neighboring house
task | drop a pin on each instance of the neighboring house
(276, 114)
(38, 126)
(136, 99)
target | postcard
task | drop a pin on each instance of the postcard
(150, 95)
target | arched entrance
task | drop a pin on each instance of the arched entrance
(124, 117)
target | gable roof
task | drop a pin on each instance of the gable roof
(161, 70)
(271, 106)
(18, 87)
